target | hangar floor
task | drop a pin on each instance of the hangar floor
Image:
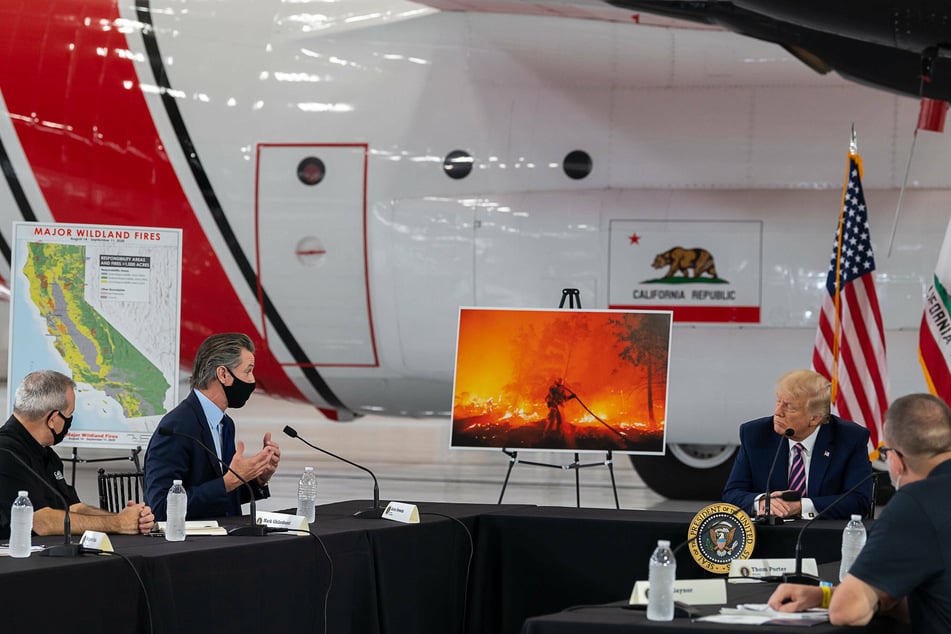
(412, 462)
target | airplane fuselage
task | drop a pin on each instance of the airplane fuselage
(312, 160)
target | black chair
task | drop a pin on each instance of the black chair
(882, 491)
(115, 489)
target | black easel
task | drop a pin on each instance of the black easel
(74, 458)
(574, 297)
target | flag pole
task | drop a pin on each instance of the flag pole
(837, 322)
(901, 192)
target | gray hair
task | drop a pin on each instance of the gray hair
(40, 393)
(222, 349)
(919, 425)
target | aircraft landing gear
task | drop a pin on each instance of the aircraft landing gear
(687, 472)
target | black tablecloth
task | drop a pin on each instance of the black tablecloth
(551, 558)
(98, 595)
(618, 618)
(387, 577)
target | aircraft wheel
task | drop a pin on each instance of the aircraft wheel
(687, 472)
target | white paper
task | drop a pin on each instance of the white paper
(761, 613)
(197, 527)
(5, 550)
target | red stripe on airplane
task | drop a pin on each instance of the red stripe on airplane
(89, 137)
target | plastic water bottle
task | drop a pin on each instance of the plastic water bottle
(307, 495)
(853, 539)
(660, 577)
(176, 505)
(21, 526)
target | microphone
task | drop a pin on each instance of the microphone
(799, 576)
(68, 548)
(373, 513)
(766, 518)
(255, 528)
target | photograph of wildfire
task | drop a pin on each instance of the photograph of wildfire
(561, 380)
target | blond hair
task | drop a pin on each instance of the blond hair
(811, 386)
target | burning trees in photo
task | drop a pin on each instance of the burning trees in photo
(561, 379)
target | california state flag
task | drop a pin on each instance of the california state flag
(934, 337)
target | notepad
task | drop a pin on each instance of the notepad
(5, 549)
(762, 614)
(195, 527)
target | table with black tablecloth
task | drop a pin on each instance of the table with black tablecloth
(550, 558)
(387, 577)
(620, 618)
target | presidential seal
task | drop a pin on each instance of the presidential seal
(718, 534)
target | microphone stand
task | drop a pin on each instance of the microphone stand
(799, 576)
(67, 548)
(766, 518)
(254, 529)
(372, 513)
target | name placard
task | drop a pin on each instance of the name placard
(750, 570)
(283, 520)
(401, 512)
(96, 541)
(689, 591)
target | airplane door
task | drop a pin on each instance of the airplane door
(311, 239)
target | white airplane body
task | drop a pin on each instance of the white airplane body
(198, 114)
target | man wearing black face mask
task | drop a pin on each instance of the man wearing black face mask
(223, 377)
(42, 412)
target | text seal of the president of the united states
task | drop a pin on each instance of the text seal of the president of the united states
(718, 534)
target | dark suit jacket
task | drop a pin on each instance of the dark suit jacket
(177, 458)
(839, 461)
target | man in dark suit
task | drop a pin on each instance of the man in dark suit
(824, 455)
(223, 377)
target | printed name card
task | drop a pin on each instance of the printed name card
(401, 512)
(283, 520)
(689, 591)
(749, 570)
(96, 541)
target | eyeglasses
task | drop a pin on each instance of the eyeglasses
(883, 452)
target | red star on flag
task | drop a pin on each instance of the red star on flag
(634, 238)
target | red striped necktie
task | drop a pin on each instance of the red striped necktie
(797, 473)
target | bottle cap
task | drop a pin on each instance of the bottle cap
(306, 469)
(857, 518)
(663, 543)
(21, 494)
(176, 482)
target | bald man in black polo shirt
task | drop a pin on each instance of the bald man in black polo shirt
(42, 412)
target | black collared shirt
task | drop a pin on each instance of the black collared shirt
(14, 478)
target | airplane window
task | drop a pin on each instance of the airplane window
(311, 170)
(577, 164)
(457, 164)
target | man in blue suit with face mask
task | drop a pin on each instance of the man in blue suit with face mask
(223, 377)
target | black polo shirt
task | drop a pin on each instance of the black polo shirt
(14, 478)
(908, 553)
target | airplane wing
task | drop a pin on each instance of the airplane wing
(886, 45)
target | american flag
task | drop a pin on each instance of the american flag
(850, 342)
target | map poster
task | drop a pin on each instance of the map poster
(102, 305)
